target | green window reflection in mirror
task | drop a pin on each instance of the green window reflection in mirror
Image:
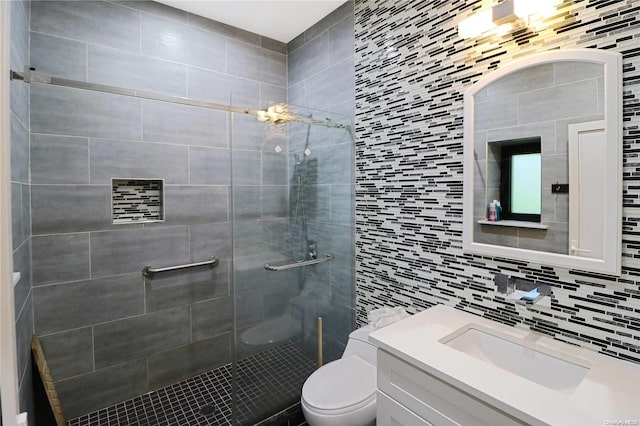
(526, 174)
(514, 170)
(521, 179)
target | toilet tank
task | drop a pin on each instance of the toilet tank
(358, 344)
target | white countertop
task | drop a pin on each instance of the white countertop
(609, 393)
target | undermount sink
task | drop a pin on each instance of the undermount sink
(540, 365)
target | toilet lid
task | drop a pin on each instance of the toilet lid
(341, 385)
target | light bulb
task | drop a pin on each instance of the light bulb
(477, 24)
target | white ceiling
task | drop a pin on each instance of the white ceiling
(280, 20)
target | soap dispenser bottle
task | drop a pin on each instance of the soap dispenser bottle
(492, 211)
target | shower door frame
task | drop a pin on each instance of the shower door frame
(9, 376)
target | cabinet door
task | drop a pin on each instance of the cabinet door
(433, 399)
(390, 413)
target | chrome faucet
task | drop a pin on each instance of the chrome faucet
(530, 291)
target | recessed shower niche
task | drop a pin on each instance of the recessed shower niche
(137, 200)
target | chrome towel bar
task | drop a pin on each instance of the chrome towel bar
(327, 257)
(148, 271)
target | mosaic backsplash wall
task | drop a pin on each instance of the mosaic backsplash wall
(412, 69)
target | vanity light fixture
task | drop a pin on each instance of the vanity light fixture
(500, 18)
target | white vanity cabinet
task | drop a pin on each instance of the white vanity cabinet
(390, 413)
(409, 396)
(445, 367)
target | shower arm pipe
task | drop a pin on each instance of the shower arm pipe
(149, 272)
(28, 76)
(327, 258)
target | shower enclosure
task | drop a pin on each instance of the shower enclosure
(179, 230)
(293, 225)
(240, 217)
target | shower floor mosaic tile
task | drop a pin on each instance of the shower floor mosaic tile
(267, 381)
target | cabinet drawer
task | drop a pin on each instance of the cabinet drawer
(433, 399)
(390, 413)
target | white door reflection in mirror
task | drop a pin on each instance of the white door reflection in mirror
(587, 176)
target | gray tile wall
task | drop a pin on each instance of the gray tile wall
(321, 76)
(21, 200)
(108, 333)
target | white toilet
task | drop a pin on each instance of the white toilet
(343, 392)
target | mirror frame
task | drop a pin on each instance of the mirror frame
(611, 261)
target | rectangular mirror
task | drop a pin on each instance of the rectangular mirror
(543, 153)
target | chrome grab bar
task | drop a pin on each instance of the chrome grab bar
(148, 271)
(327, 257)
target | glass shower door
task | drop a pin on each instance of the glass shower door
(293, 252)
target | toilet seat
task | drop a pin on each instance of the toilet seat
(341, 386)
